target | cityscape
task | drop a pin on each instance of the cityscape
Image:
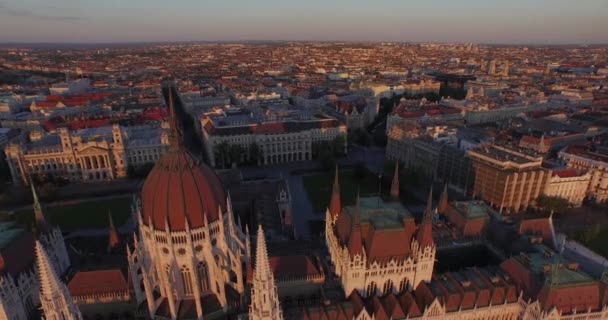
(293, 170)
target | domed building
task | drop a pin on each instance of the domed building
(189, 254)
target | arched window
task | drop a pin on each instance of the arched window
(203, 276)
(187, 280)
(388, 287)
(233, 277)
(371, 289)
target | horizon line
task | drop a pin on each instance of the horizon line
(5, 43)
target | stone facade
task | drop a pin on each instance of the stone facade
(87, 155)
(278, 142)
(189, 264)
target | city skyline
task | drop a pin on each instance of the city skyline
(515, 22)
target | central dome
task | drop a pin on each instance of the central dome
(178, 187)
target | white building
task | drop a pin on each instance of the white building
(277, 141)
(19, 284)
(189, 255)
(90, 155)
(70, 87)
(568, 184)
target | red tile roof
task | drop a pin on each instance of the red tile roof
(299, 266)
(537, 227)
(177, 177)
(91, 283)
(567, 173)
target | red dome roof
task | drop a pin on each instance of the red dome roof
(178, 187)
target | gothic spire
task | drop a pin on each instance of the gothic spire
(425, 231)
(335, 204)
(264, 297)
(41, 224)
(54, 296)
(113, 239)
(355, 245)
(442, 206)
(175, 138)
(262, 266)
(395, 183)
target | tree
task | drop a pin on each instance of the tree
(591, 233)
(255, 153)
(221, 153)
(235, 153)
(553, 204)
(337, 145)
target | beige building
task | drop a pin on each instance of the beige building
(507, 179)
(375, 246)
(569, 184)
(89, 155)
(580, 157)
(278, 141)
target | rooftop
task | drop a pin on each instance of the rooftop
(381, 214)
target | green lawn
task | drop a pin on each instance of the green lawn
(91, 214)
(319, 186)
(599, 243)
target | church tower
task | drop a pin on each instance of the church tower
(264, 297)
(54, 296)
(113, 238)
(424, 246)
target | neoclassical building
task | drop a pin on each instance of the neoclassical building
(277, 141)
(19, 283)
(95, 154)
(376, 247)
(189, 254)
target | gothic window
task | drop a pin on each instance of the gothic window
(203, 276)
(233, 277)
(403, 285)
(371, 289)
(187, 280)
(388, 287)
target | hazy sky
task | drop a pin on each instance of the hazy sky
(487, 21)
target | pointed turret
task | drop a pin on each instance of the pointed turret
(262, 266)
(264, 297)
(335, 204)
(355, 245)
(41, 225)
(113, 239)
(54, 296)
(175, 140)
(442, 206)
(425, 231)
(395, 183)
